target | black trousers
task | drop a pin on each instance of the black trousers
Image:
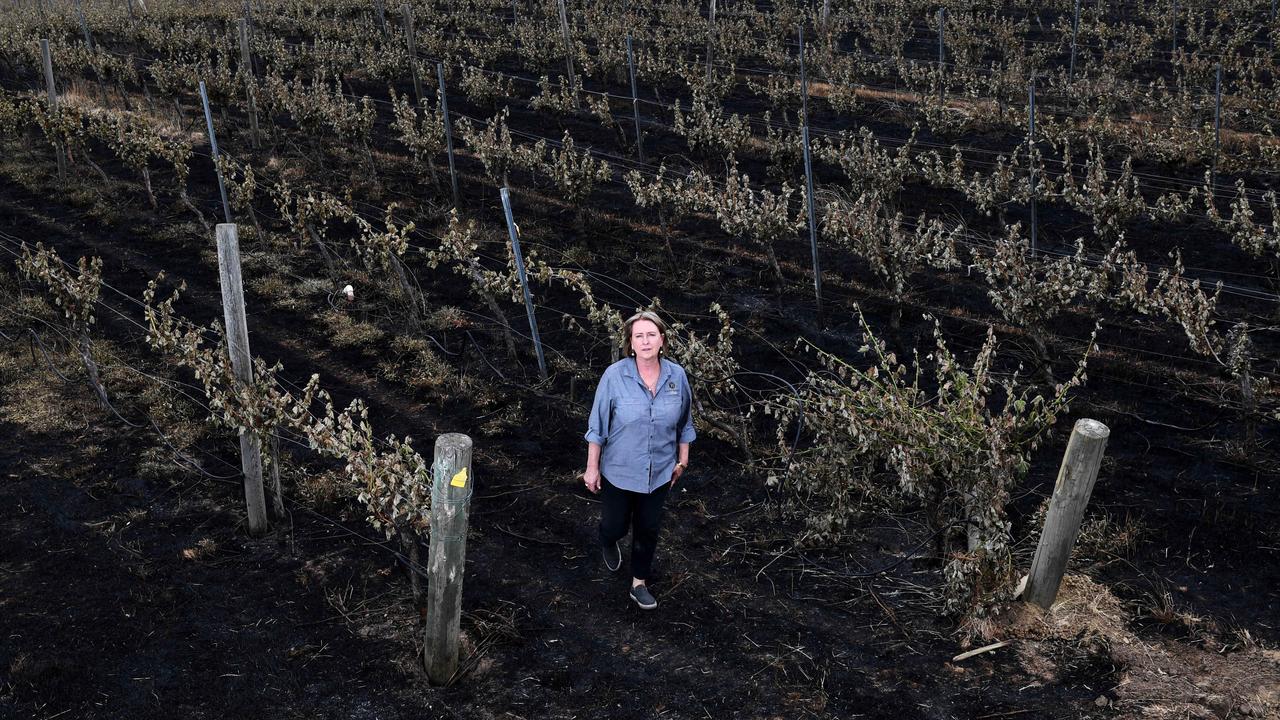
(641, 513)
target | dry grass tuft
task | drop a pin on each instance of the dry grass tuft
(346, 332)
(203, 549)
(1156, 677)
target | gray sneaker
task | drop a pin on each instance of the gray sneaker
(612, 555)
(643, 597)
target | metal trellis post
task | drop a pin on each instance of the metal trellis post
(413, 50)
(711, 37)
(1217, 124)
(942, 53)
(247, 63)
(568, 51)
(84, 26)
(213, 146)
(524, 281)
(1031, 161)
(448, 133)
(1075, 29)
(808, 180)
(635, 100)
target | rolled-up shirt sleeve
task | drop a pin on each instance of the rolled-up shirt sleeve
(598, 420)
(687, 433)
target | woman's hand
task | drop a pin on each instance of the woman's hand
(592, 479)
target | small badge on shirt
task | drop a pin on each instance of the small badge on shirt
(671, 384)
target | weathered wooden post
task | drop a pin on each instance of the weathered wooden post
(448, 135)
(237, 329)
(382, 16)
(213, 147)
(52, 90)
(635, 100)
(451, 488)
(808, 179)
(412, 45)
(247, 64)
(524, 281)
(1076, 477)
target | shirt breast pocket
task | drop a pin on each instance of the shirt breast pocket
(630, 411)
(667, 408)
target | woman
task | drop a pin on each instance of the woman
(638, 437)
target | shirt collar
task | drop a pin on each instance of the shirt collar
(664, 370)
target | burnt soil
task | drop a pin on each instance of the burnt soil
(126, 593)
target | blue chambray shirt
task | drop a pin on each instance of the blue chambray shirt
(639, 435)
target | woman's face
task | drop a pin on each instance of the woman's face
(645, 339)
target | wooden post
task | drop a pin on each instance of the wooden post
(808, 180)
(247, 64)
(451, 491)
(237, 328)
(1174, 17)
(129, 4)
(248, 22)
(568, 51)
(53, 105)
(635, 100)
(413, 49)
(1076, 477)
(213, 146)
(448, 134)
(382, 16)
(826, 16)
(524, 281)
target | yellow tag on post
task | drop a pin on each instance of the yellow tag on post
(460, 479)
